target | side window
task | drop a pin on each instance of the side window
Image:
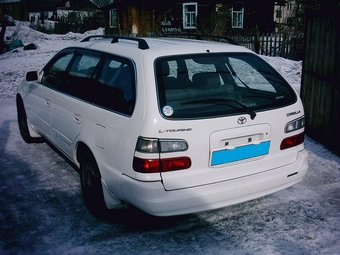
(55, 72)
(84, 66)
(116, 86)
(79, 80)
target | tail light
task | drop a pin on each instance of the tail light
(295, 125)
(161, 165)
(152, 165)
(292, 141)
(296, 139)
(152, 145)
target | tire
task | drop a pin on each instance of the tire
(91, 186)
(23, 126)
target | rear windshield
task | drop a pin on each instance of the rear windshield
(215, 85)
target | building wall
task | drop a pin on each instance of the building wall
(16, 10)
(213, 17)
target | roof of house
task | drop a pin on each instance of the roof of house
(51, 5)
(44, 5)
(9, 1)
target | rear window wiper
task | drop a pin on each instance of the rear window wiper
(223, 101)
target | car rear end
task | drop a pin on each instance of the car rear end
(224, 128)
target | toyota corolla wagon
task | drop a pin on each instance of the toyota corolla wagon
(171, 126)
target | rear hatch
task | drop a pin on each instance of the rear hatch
(219, 154)
(231, 109)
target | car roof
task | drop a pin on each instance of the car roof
(158, 45)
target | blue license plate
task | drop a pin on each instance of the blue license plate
(239, 153)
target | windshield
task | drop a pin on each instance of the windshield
(214, 85)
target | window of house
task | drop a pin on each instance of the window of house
(237, 15)
(189, 15)
(72, 17)
(113, 18)
(278, 14)
(289, 6)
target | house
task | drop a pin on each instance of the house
(13, 8)
(284, 14)
(57, 9)
(61, 16)
(290, 14)
(150, 18)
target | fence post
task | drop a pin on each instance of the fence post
(267, 45)
(257, 42)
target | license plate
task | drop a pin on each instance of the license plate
(239, 153)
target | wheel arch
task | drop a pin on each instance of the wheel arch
(111, 201)
(28, 133)
(81, 148)
(19, 101)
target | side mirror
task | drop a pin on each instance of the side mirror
(32, 76)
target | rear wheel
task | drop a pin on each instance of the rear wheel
(91, 186)
(23, 126)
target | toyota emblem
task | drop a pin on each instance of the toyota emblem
(242, 120)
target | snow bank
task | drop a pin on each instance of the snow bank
(289, 69)
(15, 64)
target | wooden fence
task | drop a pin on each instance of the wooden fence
(275, 45)
(320, 90)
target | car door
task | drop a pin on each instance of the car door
(68, 110)
(43, 93)
(38, 107)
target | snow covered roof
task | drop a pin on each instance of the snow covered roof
(102, 3)
(9, 1)
(44, 5)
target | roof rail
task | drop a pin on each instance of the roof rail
(200, 37)
(142, 44)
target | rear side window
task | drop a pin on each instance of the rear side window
(84, 66)
(115, 87)
(215, 85)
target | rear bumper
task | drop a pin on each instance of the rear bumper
(153, 199)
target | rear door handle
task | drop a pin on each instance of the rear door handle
(47, 102)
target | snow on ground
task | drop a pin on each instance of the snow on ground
(303, 219)
(15, 64)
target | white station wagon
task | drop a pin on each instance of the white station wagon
(171, 126)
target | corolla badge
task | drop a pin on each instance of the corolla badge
(242, 120)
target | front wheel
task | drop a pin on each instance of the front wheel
(91, 186)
